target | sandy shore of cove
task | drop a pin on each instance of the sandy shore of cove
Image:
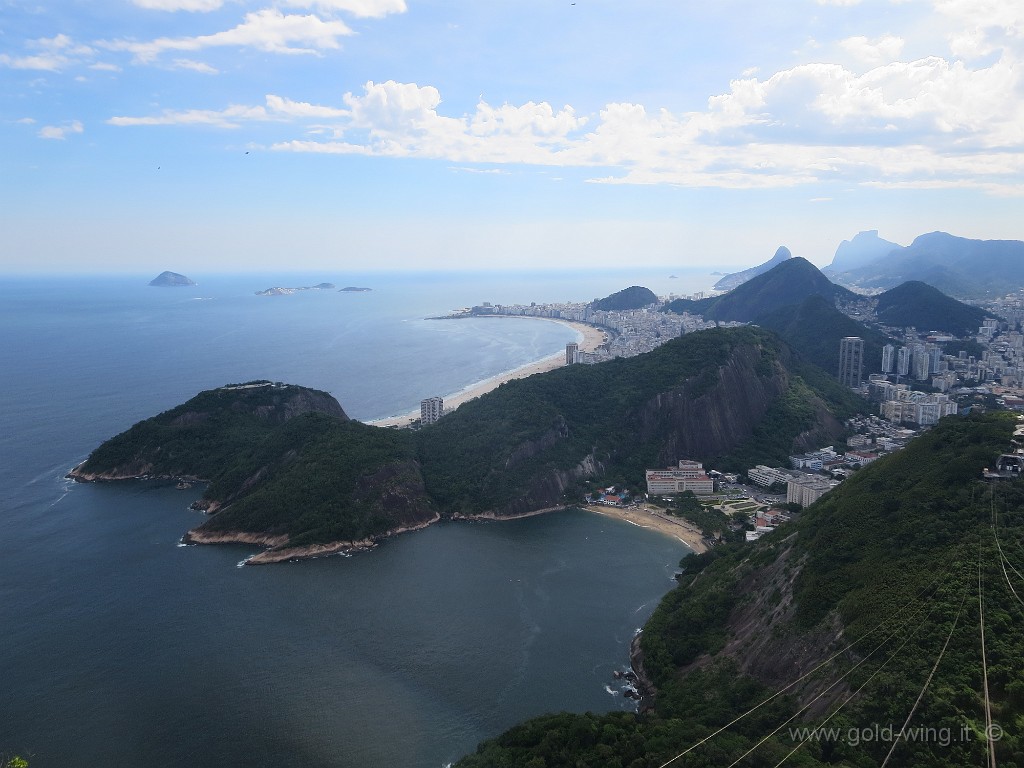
(590, 338)
(681, 530)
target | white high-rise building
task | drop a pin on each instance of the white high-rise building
(888, 358)
(903, 361)
(431, 409)
(572, 353)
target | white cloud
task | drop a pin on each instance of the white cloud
(930, 121)
(838, 2)
(300, 109)
(194, 66)
(266, 30)
(60, 132)
(374, 9)
(232, 117)
(51, 54)
(881, 51)
(983, 26)
(180, 5)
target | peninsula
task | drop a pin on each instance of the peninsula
(288, 470)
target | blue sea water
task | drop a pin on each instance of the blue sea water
(121, 648)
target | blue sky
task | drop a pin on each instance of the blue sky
(214, 135)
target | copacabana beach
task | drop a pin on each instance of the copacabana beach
(590, 338)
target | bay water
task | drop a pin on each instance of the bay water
(119, 647)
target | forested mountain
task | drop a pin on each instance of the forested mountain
(634, 297)
(736, 279)
(815, 327)
(894, 601)
(287, 469)
(928, 309)
(789, 283)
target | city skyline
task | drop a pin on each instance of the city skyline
(337, 134)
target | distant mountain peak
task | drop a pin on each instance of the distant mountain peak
(864, 248)
(735, 279)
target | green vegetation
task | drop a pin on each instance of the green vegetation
(815, 327)
(711, 520)
(791, 282)
(882, 581)
(928, 309)
(284, 461)
(634, 297)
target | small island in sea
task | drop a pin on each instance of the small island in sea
(278, 291)
(171, 280)
(353, 289)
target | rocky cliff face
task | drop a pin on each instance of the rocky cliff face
(717, 421)
(705, 417)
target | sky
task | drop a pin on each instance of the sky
(229, 135)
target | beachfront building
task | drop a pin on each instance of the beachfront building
(572, 353)
(431, 409)
(688, 476)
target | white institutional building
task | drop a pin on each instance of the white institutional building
(688, 476)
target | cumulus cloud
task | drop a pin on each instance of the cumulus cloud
(266, 30)
(926, 121)
(60, 132)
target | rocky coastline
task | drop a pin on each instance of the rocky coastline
(644, 687)
(278, 550)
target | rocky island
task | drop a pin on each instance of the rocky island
(171, 280)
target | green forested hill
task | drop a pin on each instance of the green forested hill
(871, 602)
(928, 309)
(789, 283)
(284, 463)
(710, 396)
(816, 327)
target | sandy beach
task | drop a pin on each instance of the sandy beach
(681, 530)
(589, 339)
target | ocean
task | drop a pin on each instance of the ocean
(122, 648)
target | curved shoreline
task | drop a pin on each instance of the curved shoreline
(680, 530)
(589, 338)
